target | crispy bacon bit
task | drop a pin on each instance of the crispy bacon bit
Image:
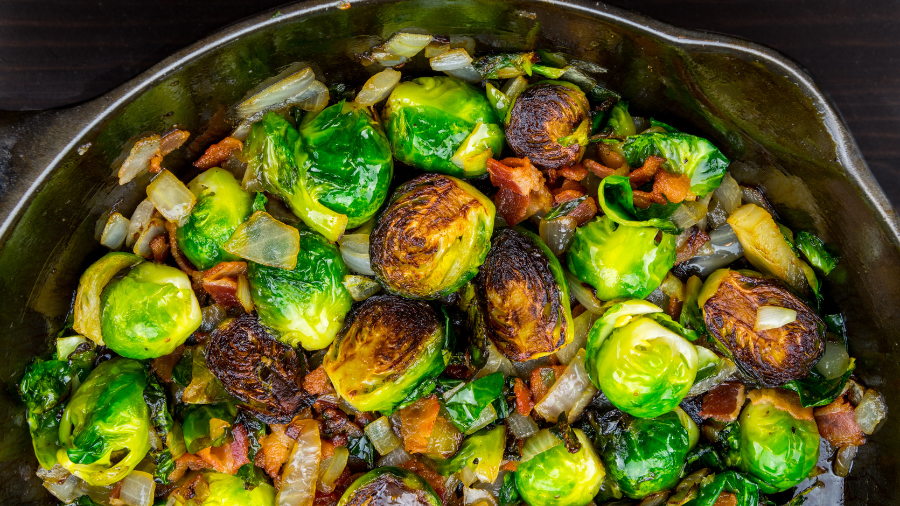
(160, 248)
(836, 423)
(644, 199)
(585, 211)
(541, 380)
(239, 446)
(723, 402)
(567, 195)
(221, 283)
(524, 403)
(163, 365)
(552, 176)
(296, 426)
(185, 462)
(183, 263)
(417, 423)
(522, 190)
(726, 499)
(644, 174)
(172, 141)
(609, 157)
(115, 494)
(511, 466)
(216, 154)
(156, 164)
(430, 475)
(275, 448)
(598, 169)
(692, 245)
(337, 425)
(576, 172)
(317, 382)
(221, 458)
(782, 399)
(674, 187)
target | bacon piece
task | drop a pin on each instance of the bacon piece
(836, 423)
(524, 403)
(163, 365)
(598, 169)
(216, 154)
(510, 466)
(609, 157)
(240, 446)
(673, 186)
(160, 248)
(317, 382)
(183, 263)
(522, 190)
(689, 249)
(782, 399)
(726, 499)
(221, 458)
(115, 494)
(585, 211)
(552, 176)
(539, 386)
(644, 199)
(645, 173)
(417, 423)
(156, 164)
(576, 172)
(430, 475)
(221, 283)
(673, 309)
(185, 462)
(172, 141)
(567, 195)
(196, 488)
(275, 448)
(723, 402)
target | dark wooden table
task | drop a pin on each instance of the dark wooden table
(55, 53)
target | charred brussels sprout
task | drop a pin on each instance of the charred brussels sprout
(779, 440)
(149, 312)
(350, 160)
(432, 237)
(524, 297)
(222, 205)
(257, 369)
(647, 455)
(558, 477)
(389, 486)
(640, 359)
(620, 260)
(104, 430)
(387, 347)
(549, 123)
(441, 124)
(227, 490)
(306, 305)
(685, 154)
(731, 302)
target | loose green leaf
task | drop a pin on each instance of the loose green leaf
(361, 448)
(504, 65)
(252, 476)
(816, 390)
(508, 494)
(564, 209)
(747, 491)
(816, 252)
(466, 405)
(620, 122)
(664, 126)
(617, 201)
(259, 202)
(197, 417)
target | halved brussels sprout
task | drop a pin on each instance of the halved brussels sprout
(524, 297)
(432, 237)
(227, 490)
(306, 306)
(149, 312)
(389, 486)
(731, 300)
(350, 160)
(549, 123)
(387, 347)
(647, 454)
(640, 359)
(685, 154)
(557, 477)
(222, 205)
(620, 260)
(433, 120)
(778, 449)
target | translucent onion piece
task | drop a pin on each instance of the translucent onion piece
(463, 41)
(467, 73)
(298, 480)
(115, 231)
(171, 197)
(138, 160)
(672, 287)
(487, 416)
(514, 86)
(773, 317)
(566, 392)
(314, 98)
(521, 426)
(843, 461)
(437, 47)
(265, 240)
(557, 233)
(137, 489)
(834, 361)
(86, 312)
(467, 476)
(724, 248)
(382, 436)
(56, 473)
(355, 251)
(331, 469)
(451, 60)
(870, 412)
(578, 408)
(582, 324)
(361, 287)
(212, 317)
(584, 294)
(395, 458)
(387, 59)
(407, 44)
(243, 293)
(538, 444)
(66, 491)
(726, 371)
(156, 443)
(496, 361)
(478, 497)
(689, 214)
(729, 194)
(155, 227)
(139, 220)
(288, 87)
(378, 87)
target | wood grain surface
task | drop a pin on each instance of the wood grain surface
(55, 53)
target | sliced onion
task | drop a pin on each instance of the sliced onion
(314, 98)
(514, 86)
(724, 248)
(355, 252)
(689, 214)
(834, 361)
(407, 44)
(66, 491)
(378, 87)
(672, 287)
(243, 293)
(729, 194)
(467, 73)
(478, 497)
(331, 469)
(463, 41)
(138, 160)
(55, 474)
(265, 240)
(137, 489)
(524, 369)
(387, 59)
(582, 403)
(521, 426)
(496, 361)
(843, 461)
(278, 92)
(171, 197)
(726, 371)
(582, 325)
(487, 416)
(870, 412)
(584, 294)
(451, 60)
(437, 46)
(773, 317)
(396, 457)
(361, 287)
(557, 233)
(298, 480)
(213, 315)
(538, 444)
(382, 436)
(566, 392)
(155, 227)
(115, 231)
(139, 220)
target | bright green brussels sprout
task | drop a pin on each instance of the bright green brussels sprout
(221, 206)
(616, 198)
(620, 122)
(557, 477)
(779, 439)
(640, 359)
(106, 418)
(432, 237)
(350, 160)
(685, 154)
(389, 486)
(149, 312)
(387, 347)
(619, 260)
(441, 124)
(306, 305)
(227, 490)
(647, 454)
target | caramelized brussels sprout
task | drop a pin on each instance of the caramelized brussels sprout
(549, 123)
(257, 369)
(731, 301)
(387, 347)
(557, 477)
(389, 486)
(432, 237)
(524, 297)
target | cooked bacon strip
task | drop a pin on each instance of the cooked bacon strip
(609, 157)
(723, 402)
(172, 141)
(585, 211)
(183, 263)
(567, 195)
(576, 172)
(240, 445)
(216, 154)
(221, 283)
(726, 499)
(156, 164)
(430, 475)
(160, 248)
(524, 403)
(598, 169)
(516, 174)
(275, 448)
(645, 173)
(417, 423)
(644, 199)
(317, 382)
(782, 399)
(674, 187)
(836, 423)
(552, 176)
(689, 249)
(185, 462)
(511, 466)
(163, 365)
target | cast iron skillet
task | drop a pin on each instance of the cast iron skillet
(757, 105)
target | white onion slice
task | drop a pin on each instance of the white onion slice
(331, 469)
(139, 220)
(155, 227)
(137, 489)
(378, 87)
(361, 287)
(382, 436)
(407, 44)
(488, 415)
(436, 47)
(463, 41)
(566, 392)
(265, 240)
(467, 74)
(478, 497)
(138, 160)
(282, 90)
(583, 294)
(451, 60)
(773, 317)
(171, 197)
(395, 458)
(557, 233)
(355, 252)
(388, 59)
(728, 194)
(582, 325)
(66, 491)
(298, 481)
(243, 293)
(871, 412)
(496, 361)
(521, 426)
(834, 361)
(115, 231)
(538, 444)
(513, 87)
(314, 98)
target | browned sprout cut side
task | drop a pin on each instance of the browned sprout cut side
(731, 301)
(257, 369)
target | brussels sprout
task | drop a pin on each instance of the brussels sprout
(731, 300)
(620, 122)
(389, 486)
(549, 123)
(306, 305)
(227, 490)
(686, 154)
(778, 448)
(106, 418)
(149, 312)
(387, 346)
(816, 252)
(557, 477)
(432, 237)
(620, 260)
(640, 359)
(616, 198)
(350, 160)
(524, 297)
(647, 455)
(436, 123)
(221, 206)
